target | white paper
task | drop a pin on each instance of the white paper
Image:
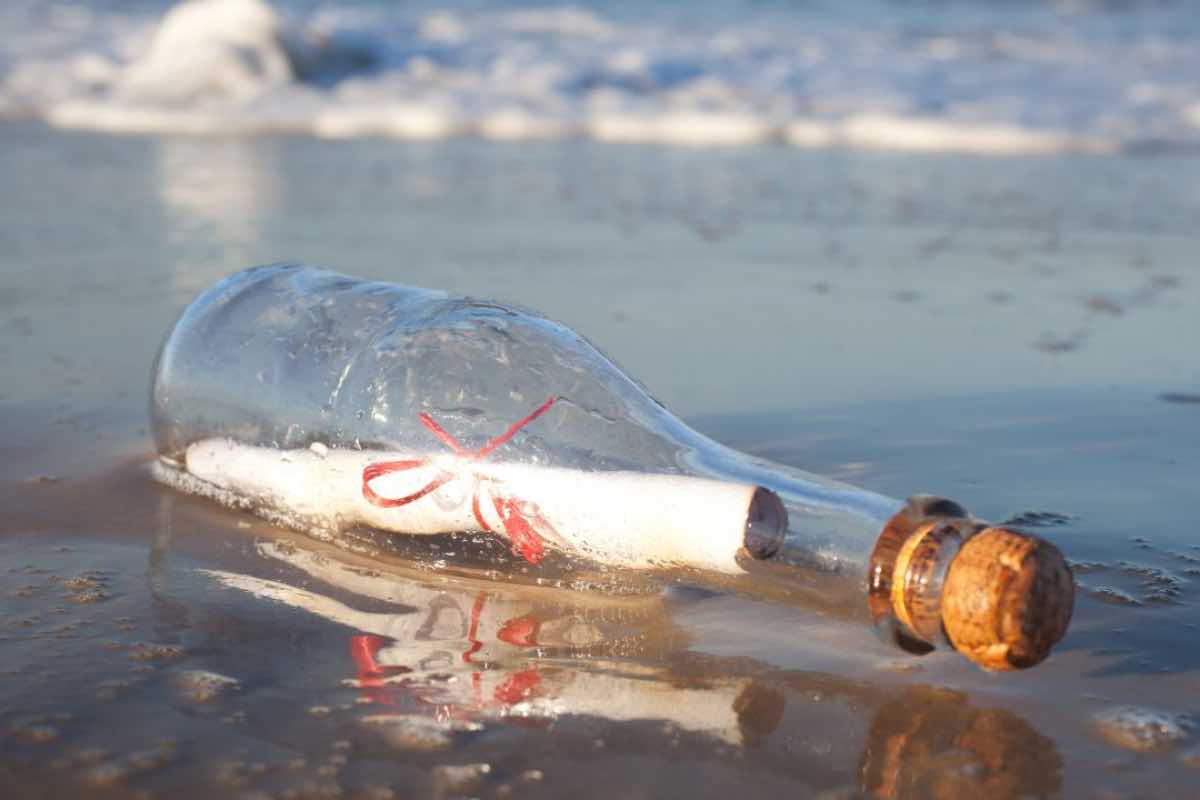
(628, 519)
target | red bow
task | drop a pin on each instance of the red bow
(520, 518)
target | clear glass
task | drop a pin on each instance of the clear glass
(331, 403)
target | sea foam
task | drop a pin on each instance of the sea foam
(1028, 80)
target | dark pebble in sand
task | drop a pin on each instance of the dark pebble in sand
(155, 652)
(1182, 398)
(86, 588)
(112, 689)
(21, 326)
(1105, 305)
(89, 596)
(91, 755)
(39, 733)
(87, 580)
(131, 765)
(1053, 345)
(1039, 519)
(237, 774)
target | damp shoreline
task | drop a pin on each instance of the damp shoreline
(1011, 333)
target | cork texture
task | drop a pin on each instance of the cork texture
(1007, 599)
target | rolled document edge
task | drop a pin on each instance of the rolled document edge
(629, 519)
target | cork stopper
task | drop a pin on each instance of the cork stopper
(1000, 597)
(1007, 599)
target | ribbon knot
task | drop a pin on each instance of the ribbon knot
(520, 518)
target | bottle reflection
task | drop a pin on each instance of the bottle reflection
(932, 743)
(462, 655)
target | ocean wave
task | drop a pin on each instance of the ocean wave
(1028, 82)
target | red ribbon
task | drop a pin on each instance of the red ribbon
(378, 682)
(520, 518)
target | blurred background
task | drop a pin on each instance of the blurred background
(1018, 76)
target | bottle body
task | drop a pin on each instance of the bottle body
(330, 401)
(335, 406)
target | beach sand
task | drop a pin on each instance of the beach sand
(1017, 333)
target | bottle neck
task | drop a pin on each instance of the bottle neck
(831, 525)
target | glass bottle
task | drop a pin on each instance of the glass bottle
(332, 405)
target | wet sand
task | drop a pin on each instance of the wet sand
(1015, 333)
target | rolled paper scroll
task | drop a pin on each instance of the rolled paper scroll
(626, 519)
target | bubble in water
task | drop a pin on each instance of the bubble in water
(201, 686)
(1143, 729)
(417, 733)
(459, 778)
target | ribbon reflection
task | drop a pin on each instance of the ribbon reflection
(465, 654)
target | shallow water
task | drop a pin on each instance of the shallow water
(1018, 334)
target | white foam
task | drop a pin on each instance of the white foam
(235, 49)
(516, 124)
(976, 80)
(884, 132)
(811, 133)
(394, 120)
(685, 127)
(137, 118)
